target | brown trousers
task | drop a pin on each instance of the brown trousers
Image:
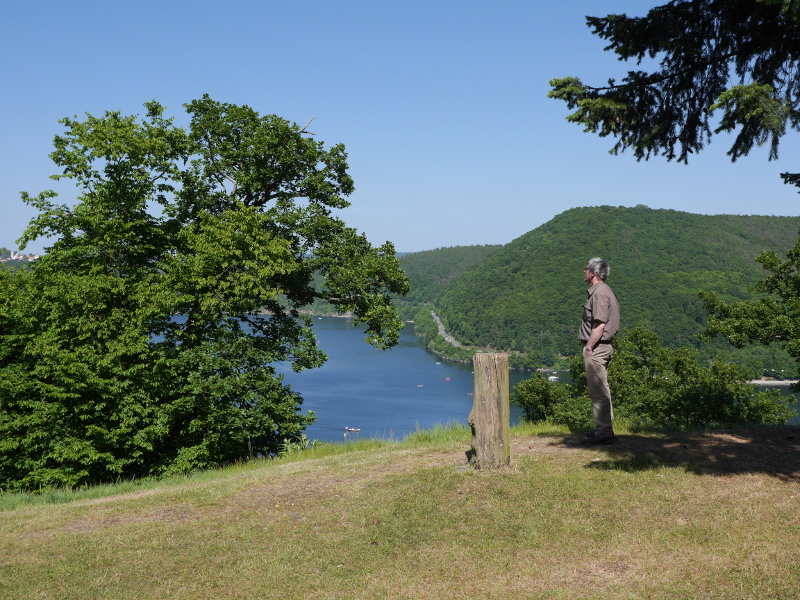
(596, 367)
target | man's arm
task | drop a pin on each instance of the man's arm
(594, 338)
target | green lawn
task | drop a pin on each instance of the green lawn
(680, 515)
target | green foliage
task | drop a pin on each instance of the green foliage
(658, 387)
(706, 50)
(537, 396)
(775, 317)
(143, 342)
(755, 109)
(299, 444)
(575, 413)
(431, 271)
(652, 384)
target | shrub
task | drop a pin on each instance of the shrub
(652, 384)
(537, 396)
(575, 412)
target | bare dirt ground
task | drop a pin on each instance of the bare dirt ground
(769, 451)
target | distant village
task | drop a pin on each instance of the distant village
(9, 255)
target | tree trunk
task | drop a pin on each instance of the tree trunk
(491, 412)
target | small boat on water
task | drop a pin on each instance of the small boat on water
(352, 429)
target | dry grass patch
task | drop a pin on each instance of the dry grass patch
(709, 515)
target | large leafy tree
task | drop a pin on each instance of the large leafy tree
(739, 59)
(145, 341)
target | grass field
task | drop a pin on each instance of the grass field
(680, 515)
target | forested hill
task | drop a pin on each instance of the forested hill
(432, 271)
(528, 295)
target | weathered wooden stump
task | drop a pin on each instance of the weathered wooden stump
(491, 412)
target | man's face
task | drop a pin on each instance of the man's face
(588, 274)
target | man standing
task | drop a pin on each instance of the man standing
(599, 326)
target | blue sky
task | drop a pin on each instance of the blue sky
(441, 104)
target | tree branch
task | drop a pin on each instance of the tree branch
(303, 130)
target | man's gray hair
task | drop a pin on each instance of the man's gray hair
(599, 266)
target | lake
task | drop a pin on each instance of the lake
(385, 394)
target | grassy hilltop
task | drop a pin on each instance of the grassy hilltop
(669, 516)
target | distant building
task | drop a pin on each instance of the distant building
(15, 255)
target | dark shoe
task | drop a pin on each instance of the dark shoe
(588, 434)
(596, 441)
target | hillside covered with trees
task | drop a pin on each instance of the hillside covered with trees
(526, 296)
(432, 271)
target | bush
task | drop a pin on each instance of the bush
(537, 396)
(652, 384)
(575, 412)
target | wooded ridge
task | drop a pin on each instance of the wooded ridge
(526, 296)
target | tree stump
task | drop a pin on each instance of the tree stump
(491, 412)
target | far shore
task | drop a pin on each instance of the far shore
(773, 381)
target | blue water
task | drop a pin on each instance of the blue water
(385, 394)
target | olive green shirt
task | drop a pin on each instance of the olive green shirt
(601, 306)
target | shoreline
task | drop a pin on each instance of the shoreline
(455, 343)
